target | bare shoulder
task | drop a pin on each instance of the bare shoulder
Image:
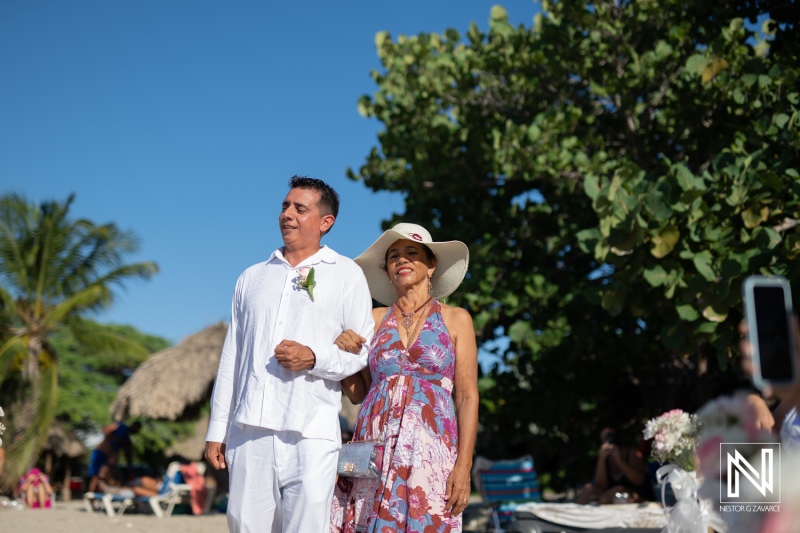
(457, 315)
(456, 318)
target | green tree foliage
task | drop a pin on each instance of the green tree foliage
(54, 270)
(617, 169)
(89, 380)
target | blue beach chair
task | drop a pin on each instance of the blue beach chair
(506, 484)
(172, 491)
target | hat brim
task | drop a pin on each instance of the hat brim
(452, 260)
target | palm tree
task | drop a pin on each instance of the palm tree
(53, 272)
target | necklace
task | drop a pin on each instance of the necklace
(407, 321)
(411, 337)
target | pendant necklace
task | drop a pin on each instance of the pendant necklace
(411, 336)
(407, 320)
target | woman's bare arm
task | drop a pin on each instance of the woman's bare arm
(465, 393)
(355, 387)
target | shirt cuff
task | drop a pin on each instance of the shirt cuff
(321, 363)
(217, 431)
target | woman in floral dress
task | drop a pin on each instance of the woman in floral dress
(419, 391)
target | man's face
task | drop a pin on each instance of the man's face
(300, 222)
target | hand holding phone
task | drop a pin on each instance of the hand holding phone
(768, 309)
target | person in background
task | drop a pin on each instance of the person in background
(620, 469)
(35, 489)
(111, 479)
(116, 437)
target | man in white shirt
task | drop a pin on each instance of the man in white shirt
(277, 394)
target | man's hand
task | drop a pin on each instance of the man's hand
(215, 454)
(350, 341)
(292, 355)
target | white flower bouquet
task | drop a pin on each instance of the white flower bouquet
(673, 435)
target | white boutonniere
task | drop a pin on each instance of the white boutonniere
(305, 280)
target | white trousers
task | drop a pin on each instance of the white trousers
(279, 481)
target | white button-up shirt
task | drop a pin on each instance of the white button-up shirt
(269, 306)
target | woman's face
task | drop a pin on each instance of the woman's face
(407, 264)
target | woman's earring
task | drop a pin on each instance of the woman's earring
(430, 285)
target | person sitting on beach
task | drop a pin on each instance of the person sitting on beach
(117, 436)
(620, 469)
(35, 489)
(110, 480)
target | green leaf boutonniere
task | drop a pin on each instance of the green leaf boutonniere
(306, 281)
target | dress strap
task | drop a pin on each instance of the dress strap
(386, 316)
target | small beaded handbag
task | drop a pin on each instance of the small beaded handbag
(361, 459)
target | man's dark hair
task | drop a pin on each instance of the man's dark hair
(328, 198)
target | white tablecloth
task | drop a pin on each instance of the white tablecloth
(640, 515)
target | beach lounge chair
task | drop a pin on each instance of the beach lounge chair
(506, 484)
(173, 490)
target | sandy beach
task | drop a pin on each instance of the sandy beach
(69, 517)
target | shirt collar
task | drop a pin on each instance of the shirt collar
(323, 255)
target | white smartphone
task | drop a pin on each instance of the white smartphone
(768, 309)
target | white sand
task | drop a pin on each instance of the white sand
(69, 517)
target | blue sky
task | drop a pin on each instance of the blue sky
(183, 121)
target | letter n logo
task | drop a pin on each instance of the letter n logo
(762, 475)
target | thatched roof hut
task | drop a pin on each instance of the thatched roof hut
(172, 380)
(63, 443)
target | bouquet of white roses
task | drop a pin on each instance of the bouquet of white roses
(673, 435)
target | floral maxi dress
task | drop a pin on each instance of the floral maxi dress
(410, 407)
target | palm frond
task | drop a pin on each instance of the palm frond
(22, 452)
(18, 219)
(12, 352)
(144, 270)
(12, 345)
(85, 299)
(7, 301)
(101, 338)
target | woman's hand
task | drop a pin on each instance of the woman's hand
(608, 450)
(458, 489)
(350, 341)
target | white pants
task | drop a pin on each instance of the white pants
(279, 481)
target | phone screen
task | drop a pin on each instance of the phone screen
(773, 333)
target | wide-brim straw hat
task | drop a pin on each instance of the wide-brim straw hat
(452, 259)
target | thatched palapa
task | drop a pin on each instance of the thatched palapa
(63, 443)
(172, 380)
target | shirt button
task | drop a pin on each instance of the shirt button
(280, 323)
